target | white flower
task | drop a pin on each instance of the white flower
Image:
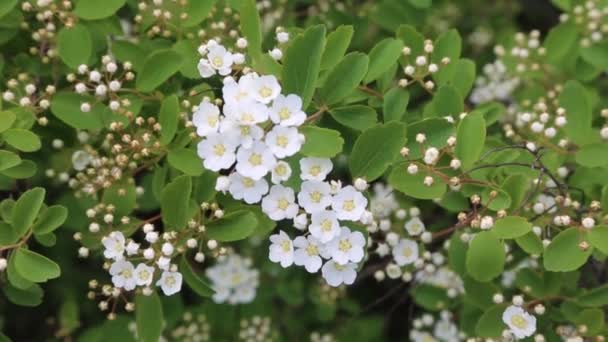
(143, 274)
(114, 245)
(307, 253)
(247, 189)
(284, 141)
(336, 274)
(349, 203)
(206, 119)
(431, 155)
(588, 222)
(347, 247)
(233, 280)
(287, 111)
(234, 93)
(80, 160)
(245, 134)
(314, 196)
(246, 112)
(405, 252)
(280, 203)
(300, 221)
(255, 162)
(217, 151)
(281, 172)
(521, 324)
(324, 225)
(315, 168)
(281, 249)
(123, 275)
(414, 226)
(265, 88)
(222, 184)
(219, 59)
(486, 222)
(170, 282)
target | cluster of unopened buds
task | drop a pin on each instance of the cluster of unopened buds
(494, 84)
(528, 53)
(426, 327)
(422, 67)
(257, 328)
(542, 117)
(591, 18)
(233, 279)
(23, 92)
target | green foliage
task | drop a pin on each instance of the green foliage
(485, 257)
(321, 142)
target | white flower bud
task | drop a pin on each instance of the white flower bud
(360, 184)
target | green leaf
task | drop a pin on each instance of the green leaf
(413, 40)
(530, 243)
(574, 100)
(25, 169)
(490, 323)
(250, 26)
(376, 149)
(35, 267)
(122, 195)
(596, 55)
(593, 155)
(430, 297)
(321, 142)
(22, 139)
(7, 234)
(174, 202)
(436, 130)
(382, 56)
(232, 227)
(157, 68)
(511, 227)
(50, 219)
(485, 257)
(26, 210)
(421, 3)
(187, 48)
(457, 254)
(413, 185)
(561, 40)
(198, 11)
(8, 159)
(32, 296)
(595, 297)
(6, 120)
(168, 119)
(6, 6)
(598, 238)
(197, 285)
(302, 62)
(448, 44)
(74, 45)
(344, 78)
(563, 253)
(460, 75)
(446, 102)
(186, 160)
(358, 117)
(395, 104)
(478, 293)
(149, 317)
(93, 9)
(337, 44)
(516, 186)
(593, 319)
(66, 107)
(470, 139)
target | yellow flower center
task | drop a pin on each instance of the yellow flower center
(236, 279)
(315, 196)
(247, 118)
(407, 252)
(265, 92)
(219, 149)
(519, 321)
(212, 121)
(345, 245)
(245, 130)
(285, 246)
(326, 225)
(282, 141)
(280, 170)
(218, 62)
(315, 170)
(348, 205)
(283, 204)
(312, 250)
(284, 113)
(170, 280)
(255, 159)
(126, 273)
(248, 182)
(338, 267)
(144, 274)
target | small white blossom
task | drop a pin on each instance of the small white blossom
(206, 119)
(287, 111)
(170, 282)
(307, 253)
(114, 245)
(123, 276)
(284, 141)
(347, 247)
(324, 225)
(255, 162)
(312, 168)
(217, 151)
(336, 274)
(280, 204)
(520, 323)
(405, 252)
(349, 204)
(281, 249)
(247, 189)
(314, 196)
(414, 226)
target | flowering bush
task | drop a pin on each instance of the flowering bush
(289, 170)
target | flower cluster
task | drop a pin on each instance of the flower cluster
(22, 91)
(427, 328)
(233, 279)
(421, 66)
(257, 329)
(495, 84)
(591, 19)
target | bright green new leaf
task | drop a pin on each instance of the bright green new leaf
(490, 323)
(596, 55)
(337, 44)
(187, 48)
(195, 282)
(358, 117)
(376, 149)
(574, 100)
(149, 317)
(32, 296)
(175, 201)
(344, 78)
(35, 267)
(593, 319)
(460, 75)
(168, 118)
(157, 68)
(598, 238)
(74, 45)
(250, 26)
(560, 41)
(382, 56)
(186, 160)
(26, 210)
(8, 159)
(50, 219)
(448, 44)
(395, 104)
(95, 9)
(446, 102)
(413, 185)
(530, 243)
(593, 155)
(25, 169)
(511, 227)
(197, 11)
(485, 257)
(22, 139)
(321, 142)
(6, 120)
(564, 254)
(234, 226)
(302, 62)
(470, 139)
